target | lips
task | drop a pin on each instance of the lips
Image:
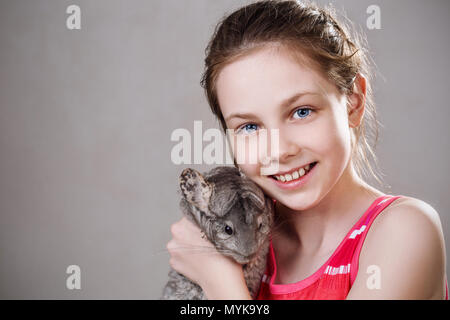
(294, 174)
(295, 183)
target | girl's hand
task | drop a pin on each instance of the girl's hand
(197, 259)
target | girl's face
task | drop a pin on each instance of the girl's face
(255, 93)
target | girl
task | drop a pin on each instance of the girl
(291, 66)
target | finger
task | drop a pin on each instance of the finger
(189, 224)
(187, 232)
(171, 246)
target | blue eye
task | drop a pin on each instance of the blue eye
(303, 112)
(248, 128)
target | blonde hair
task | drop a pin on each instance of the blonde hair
(308, 29)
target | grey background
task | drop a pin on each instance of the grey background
(86, 117)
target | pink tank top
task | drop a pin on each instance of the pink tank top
(333, 280)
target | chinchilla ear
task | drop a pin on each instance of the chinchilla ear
(258, 201)
(195, 189)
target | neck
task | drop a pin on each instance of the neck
(316, 230)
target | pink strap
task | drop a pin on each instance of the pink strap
(375, 211)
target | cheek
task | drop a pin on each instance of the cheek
(334, 147)
(250, 170)
(247, 150)
(333, 140)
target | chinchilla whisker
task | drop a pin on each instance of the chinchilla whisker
(196, 249)
(188, 249)
(199, 249)
(225, 251)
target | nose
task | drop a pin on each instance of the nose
(282, 147)
(288, 149)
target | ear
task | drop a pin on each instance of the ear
(254, 198)
(356, 101)
(222, 203)
(195, 189)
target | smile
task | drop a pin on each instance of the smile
(295, 178)
(294, 174)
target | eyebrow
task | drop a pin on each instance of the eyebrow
(282, 105)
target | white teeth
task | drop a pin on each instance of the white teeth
(301, 172)
(294, 175)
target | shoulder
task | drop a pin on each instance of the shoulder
(406, 244)
(408, 216)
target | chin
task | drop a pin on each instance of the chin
(296, 202)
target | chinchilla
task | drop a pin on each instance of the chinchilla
(235, 216)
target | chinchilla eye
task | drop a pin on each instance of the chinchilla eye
(259, 221)
(228, 230)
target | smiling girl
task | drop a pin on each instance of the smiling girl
(290, 66)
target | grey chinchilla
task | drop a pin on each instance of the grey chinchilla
(236, 217)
